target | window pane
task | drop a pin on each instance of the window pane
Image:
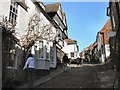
(52, 54)
(11, 7)
(12, 15)
(11, 20)
(72, 54)
(15, 17)
(16, 11)
(41, 49)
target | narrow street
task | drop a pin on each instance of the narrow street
(39, 38)
(77, 77)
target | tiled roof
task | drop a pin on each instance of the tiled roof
(69, 41)
(95, 44)
(107, 28)
(91, 47)
(23, 4)
(63, 13)
(52, 7)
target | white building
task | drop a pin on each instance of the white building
(56, 14)
(20, 13)
(103, 42)
(12, 10)
(71, 49)
(46, 52)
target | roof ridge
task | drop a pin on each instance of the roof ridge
(54, 3)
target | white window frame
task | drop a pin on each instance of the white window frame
(13, 12)
(72, 54)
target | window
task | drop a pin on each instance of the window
(13, 12)
(52, 54)
(40, 49)
(9, 52)
(11, 56)
(11, 7)
(72, 54)
(16, 11)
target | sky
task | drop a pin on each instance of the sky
(84, 20)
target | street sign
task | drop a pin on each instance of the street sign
(111, 34)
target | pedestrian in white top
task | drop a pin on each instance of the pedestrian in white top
(29, 66)
(30, 62)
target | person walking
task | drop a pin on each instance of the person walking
(29, 66)
(65, 60)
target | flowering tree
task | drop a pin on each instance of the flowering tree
(37, 31)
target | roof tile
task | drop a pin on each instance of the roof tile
(52, 7)
(107, 28)
(69, 41)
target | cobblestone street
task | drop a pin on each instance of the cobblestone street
(85, 76)
(76, 77)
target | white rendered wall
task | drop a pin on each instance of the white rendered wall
(107, 50)
(21, 21)
(5, 8)
(71, 48)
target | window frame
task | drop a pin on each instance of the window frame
(72, 54)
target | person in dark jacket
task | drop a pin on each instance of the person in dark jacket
(65, 61)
